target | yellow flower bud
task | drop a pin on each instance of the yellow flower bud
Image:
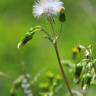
(75, 50)
(62, 10)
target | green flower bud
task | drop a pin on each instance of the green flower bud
(75, 51)
(86, 80)
(26, 39)
(78, 71)
(62, 14)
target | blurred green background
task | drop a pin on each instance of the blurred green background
(15, 20)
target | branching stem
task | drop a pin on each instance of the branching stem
(54, 43)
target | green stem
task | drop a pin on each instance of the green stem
(47, 34)
(58, 56)
(61, 68)
(51, 24)
(61, 28)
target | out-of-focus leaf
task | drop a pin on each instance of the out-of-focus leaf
(77, 93)
(58, 77)
(4, 75)
(44, 87)
(13, 92)
(50, 75)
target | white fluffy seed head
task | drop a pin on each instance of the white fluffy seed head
(46, 7)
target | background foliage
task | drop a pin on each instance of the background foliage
(15, 20)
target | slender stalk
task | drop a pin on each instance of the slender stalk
(51, 24)
(57, 54)
(61, 25)
(84, 92)
(61, 68)
(48, 35)
(60, 28)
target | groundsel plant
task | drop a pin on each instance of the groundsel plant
(85, 70)
(49, 9)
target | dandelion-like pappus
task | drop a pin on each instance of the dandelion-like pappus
(46, 7)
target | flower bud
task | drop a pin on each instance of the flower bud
(75, 51)
(88, 78)
(62, 14)
(26, 39)
(78, 71)
(86, 81)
